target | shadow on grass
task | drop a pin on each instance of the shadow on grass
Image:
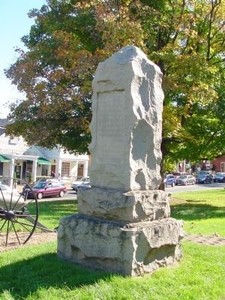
(190, 212)
(24, 278)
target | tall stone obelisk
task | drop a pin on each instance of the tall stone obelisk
(124, 224)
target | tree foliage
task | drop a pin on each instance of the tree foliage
(184, 37)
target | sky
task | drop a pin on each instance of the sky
(15, 23)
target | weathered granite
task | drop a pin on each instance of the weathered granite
(126, 125)
(118, 247)
(133, 206)
(124, 222)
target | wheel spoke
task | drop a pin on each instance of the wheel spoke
(29, 225)
(16, 223)
(7, 234)
(17, 237)
(3, 198)
(15, 204)
(25, 204)
(3, 224)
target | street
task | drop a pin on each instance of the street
(195, 187)
(71, 195)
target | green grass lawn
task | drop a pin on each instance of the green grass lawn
(35, 272)
(203, 212)
(51, 211)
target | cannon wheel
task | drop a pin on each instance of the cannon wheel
(18, 214)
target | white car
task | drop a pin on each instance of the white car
(185, 180)
(84, 186)
(84, 180)
(9, 197)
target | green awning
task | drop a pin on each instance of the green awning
(3, 158)
(43, 161)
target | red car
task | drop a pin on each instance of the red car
(46, 188)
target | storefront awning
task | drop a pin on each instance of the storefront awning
(43, 161)
(3, 158)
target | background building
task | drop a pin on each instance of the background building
(19, 160)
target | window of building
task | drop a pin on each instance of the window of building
(44, 170)
(80, 170)
(13, 141)
(65, 169)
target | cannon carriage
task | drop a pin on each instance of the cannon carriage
(18, 213)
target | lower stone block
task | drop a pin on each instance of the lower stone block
(117, 247)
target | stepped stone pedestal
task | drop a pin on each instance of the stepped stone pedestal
(124, 224)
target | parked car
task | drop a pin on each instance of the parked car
(9, 195)
(219, 177)
(84, 186)
(204, 177)
(46, 188)
(83, 180)
(185, 180)
(170, 180)
(177, 174)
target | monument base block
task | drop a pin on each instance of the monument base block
(118, 247)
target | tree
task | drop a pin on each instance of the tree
(64, 49)
(197, 102)
(184, 37)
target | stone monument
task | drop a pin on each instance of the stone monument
(124, 224)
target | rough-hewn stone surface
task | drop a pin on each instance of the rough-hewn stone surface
(125, 248)
(127, 122)
(124, 223)
(133, 206)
